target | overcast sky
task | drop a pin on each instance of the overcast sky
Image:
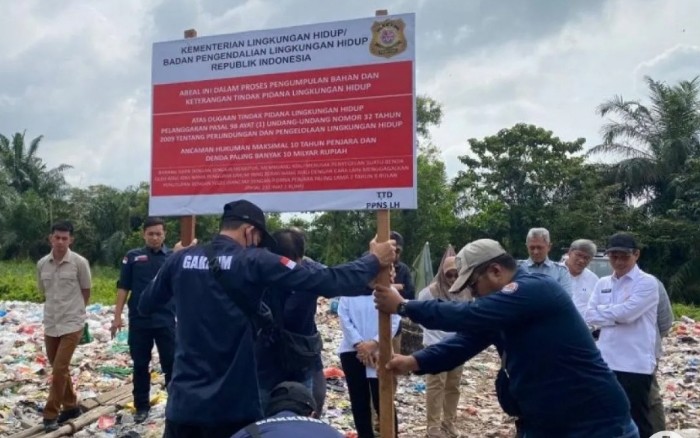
(78, 72)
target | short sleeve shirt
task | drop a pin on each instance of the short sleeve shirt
(61, 283)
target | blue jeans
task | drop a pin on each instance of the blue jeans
(599, 429)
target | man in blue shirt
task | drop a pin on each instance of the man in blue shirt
(538, 247)
(139, 267)
(290, 414)
(214, 389)
(554, 378)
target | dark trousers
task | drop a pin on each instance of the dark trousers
(638, 390)
(319, 389)
(362, 391)
(177, 430)
(658, 418)
(141, 342)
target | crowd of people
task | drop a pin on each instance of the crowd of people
(233, 322)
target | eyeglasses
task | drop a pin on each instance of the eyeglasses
(473, 280)
(582, 255)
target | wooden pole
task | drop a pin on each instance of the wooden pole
(386, 378)
(187, 223)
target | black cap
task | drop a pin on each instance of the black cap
(394, 235)
(291, 396)
(624, 242)
(246, 211)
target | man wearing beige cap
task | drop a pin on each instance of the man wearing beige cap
(553, 376)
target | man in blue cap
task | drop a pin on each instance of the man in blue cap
(217, 290)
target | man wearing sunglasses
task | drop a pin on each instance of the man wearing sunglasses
(554, 378)
(217, 290)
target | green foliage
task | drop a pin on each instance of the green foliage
(654, 140)
(518, 178)
(434, 219)
(512, 181)
(688, 310)
(18, 283)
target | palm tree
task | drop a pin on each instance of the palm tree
(654, 141)
(25, 170)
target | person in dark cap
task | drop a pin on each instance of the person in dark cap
(217, 290)
(291, 351)
(403, 272)
(289, 414)
(552, 375)
(624, 306)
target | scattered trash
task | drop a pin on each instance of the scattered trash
(419, 387)
(333, 372)
(104, 365)
(106, 422)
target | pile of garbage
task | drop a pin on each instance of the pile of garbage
(104, 365)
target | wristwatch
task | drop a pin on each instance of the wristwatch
(401, 309)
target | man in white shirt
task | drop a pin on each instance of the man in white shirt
(583, 280)
(624, 306)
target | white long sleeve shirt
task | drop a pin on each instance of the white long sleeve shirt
(359, 321)
(626, 310)
(581, 289)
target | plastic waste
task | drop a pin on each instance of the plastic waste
(419, 387)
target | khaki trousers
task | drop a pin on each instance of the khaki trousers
(442, 397)
(59, 351)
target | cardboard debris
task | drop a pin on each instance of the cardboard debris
(104, 365)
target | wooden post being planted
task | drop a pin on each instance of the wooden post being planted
(187, 223)
(386, 378)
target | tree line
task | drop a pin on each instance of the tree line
(643, 178)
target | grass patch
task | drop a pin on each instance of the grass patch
(18, 283)
(686, 310)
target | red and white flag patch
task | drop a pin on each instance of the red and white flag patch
(125, 260)
(141, 258)
(510, 288)
(290, 264)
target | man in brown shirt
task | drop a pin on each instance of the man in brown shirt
(64, 279)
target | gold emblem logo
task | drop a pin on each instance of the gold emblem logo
(388, 38)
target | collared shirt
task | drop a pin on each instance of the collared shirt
(555, 270)
(139, 267)
(664, 318)
(61, 283)
(626, 310)
(359, 322)
(582, 286)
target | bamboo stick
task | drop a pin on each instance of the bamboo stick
(112, 400)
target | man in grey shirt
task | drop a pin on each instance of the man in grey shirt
(664, 321)
(538, 246)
